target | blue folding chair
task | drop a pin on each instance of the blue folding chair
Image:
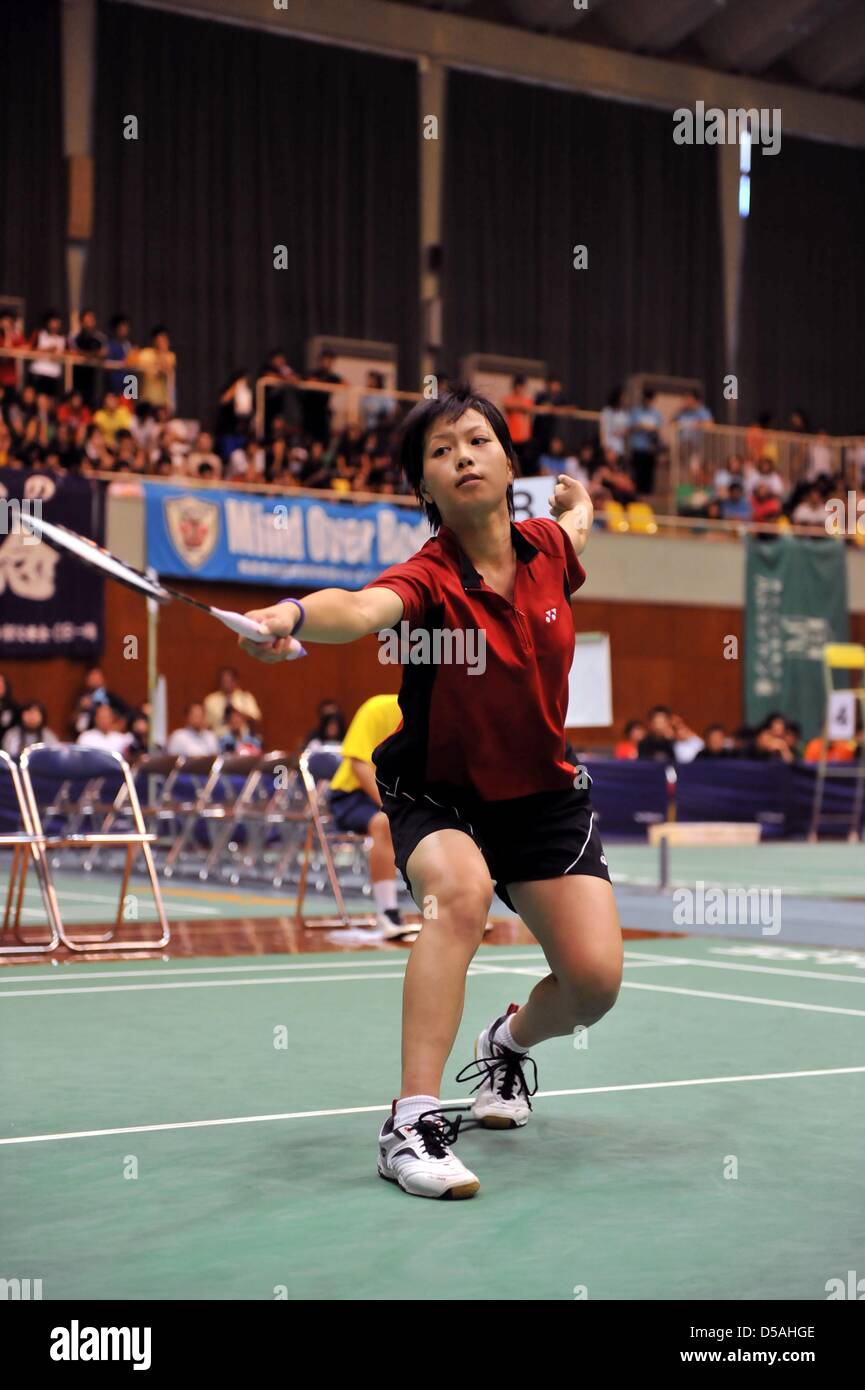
(44, 768)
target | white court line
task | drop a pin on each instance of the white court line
(166, 969)
(755, 969)
(710, 994)
(385, 1109)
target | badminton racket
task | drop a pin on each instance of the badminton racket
(99, 558)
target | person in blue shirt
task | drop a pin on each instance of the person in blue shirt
(735, 506)
(692, 416)
(118, 348)
(644, 425)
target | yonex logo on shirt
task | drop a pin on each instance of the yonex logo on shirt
(550, 615)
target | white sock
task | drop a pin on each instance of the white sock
(409, 1108)
(384, 895)
(505, 1038)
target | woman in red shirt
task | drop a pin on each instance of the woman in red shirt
(475, 782)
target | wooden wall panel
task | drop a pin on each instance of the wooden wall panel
(661, 655)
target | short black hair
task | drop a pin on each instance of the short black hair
(451, 406)
(660, 709)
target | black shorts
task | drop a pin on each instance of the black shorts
(546, 835)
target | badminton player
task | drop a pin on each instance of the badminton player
(475, 783)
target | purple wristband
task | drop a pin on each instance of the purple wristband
(296, 629)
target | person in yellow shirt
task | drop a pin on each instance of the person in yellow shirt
(355, 802)
(113, 415)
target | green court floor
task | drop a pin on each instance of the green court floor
(831, 870)
(207, 1130)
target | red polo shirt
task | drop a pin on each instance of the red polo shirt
(499, 733)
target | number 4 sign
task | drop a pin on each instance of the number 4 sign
(842, 714)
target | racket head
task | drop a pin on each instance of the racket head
(95, 555)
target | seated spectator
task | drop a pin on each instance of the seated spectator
(114, 414)
(146, 429)
(715, 744)
(811, 511)
(836, 750)
(317, 468)
(765, 504)
(793, 738)
(155, 366)
(612, 477)
(693, 496)
(139, 728)
(9, 709)
(771, 741)
(108, 732)
(686, 744)
(118, 348)
(46, 372)
(226, 697)
(733, 471)
(557, 461)
(202, 454)
(331, 724)
(355, 803)
(238, 737)
(31, 727)
(767, 474)
(628, 745)
(194, 740)
(246, 465)
(73, 412)
(89, 341)
(735, 506)
(95, 694)
(657, 744)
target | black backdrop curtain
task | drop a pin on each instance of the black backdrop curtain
(532, 172)
(248, 140)
(803, 294)
(32, 173)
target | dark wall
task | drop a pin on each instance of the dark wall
(32, 171)
(246, 141)
(532, 172)
(803, 325)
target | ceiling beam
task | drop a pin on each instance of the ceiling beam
(480, 46)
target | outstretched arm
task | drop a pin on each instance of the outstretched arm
(332, 615)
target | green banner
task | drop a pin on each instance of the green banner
(795, 602)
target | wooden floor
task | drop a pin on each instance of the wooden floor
(265, 936)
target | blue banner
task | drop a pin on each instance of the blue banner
(264, 538)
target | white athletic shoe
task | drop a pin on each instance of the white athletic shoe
(419, 1157)
(391, 927)
(502, 1100)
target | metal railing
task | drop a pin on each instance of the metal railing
(71, 360)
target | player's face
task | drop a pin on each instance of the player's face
(466, 470)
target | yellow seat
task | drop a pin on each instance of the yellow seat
(783, 523)
(641, 518)
(615, 517)
(340, 485)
